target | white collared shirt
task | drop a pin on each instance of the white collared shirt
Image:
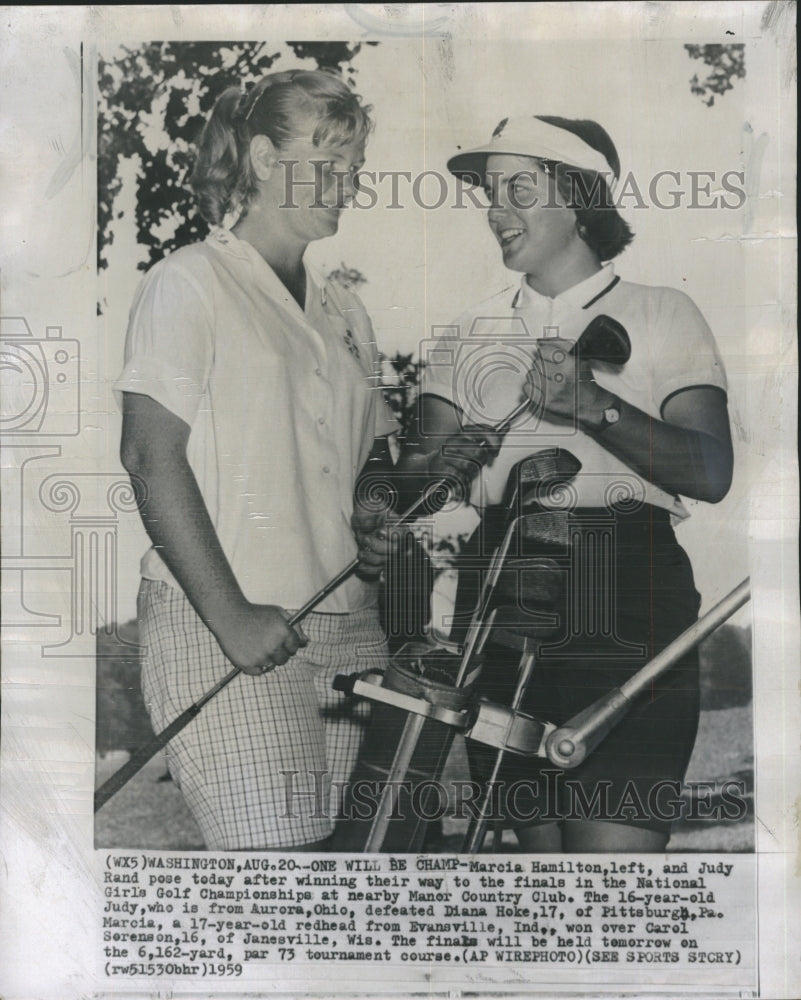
(482, 362)
(283, 404)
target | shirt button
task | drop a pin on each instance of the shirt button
(321, 420)
(318, 371)
(326, 469)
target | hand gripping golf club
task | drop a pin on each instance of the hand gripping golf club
(141, 756)
(604, 339)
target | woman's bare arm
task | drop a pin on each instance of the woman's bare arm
(153, 449)
(438, 448)
(687, 452)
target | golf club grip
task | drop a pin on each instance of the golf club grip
(141, 756)
(603, 339)
(320, 596)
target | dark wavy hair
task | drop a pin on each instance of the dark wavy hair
(280, 106)
(587, 193)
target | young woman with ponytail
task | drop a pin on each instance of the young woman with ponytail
(249, 406)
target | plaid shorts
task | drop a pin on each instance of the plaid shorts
(255, 766)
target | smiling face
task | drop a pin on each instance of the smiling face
(313, 184)
(535, 229)
(301, 189)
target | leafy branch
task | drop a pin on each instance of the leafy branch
(726, 62)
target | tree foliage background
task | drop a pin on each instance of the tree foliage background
(726, 64)
(153, 103)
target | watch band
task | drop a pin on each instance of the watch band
(611, 415)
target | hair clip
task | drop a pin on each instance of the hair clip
(253, 102)
(239, 113)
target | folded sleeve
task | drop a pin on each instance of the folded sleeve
(686, 354)
(169, 345)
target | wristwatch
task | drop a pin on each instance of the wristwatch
(611, 414)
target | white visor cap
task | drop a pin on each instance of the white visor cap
(535, 138)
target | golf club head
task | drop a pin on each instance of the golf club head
(604, 339)
(537, 475)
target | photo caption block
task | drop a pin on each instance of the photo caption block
(445, 919)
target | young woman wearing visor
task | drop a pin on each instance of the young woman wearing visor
(646, 433)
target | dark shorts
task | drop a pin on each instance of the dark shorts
(625, 600)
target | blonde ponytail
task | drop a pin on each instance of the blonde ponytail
(223, 179)
(279, 106)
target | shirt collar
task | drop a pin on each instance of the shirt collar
(576, 297)
(228, 242)
(225, 240)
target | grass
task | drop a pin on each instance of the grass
(149, 812)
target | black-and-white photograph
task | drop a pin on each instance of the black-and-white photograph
(400, 500)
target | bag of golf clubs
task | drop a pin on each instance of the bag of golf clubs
(394, 791)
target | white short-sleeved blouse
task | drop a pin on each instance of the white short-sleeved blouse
(283, 404)
(480, 364)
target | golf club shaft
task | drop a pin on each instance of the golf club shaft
(145, 753)
(572, 742)
(432, 490)
(474, 838)
(141, 756)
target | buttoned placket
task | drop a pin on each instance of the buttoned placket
(264, 276)
(559, 309)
